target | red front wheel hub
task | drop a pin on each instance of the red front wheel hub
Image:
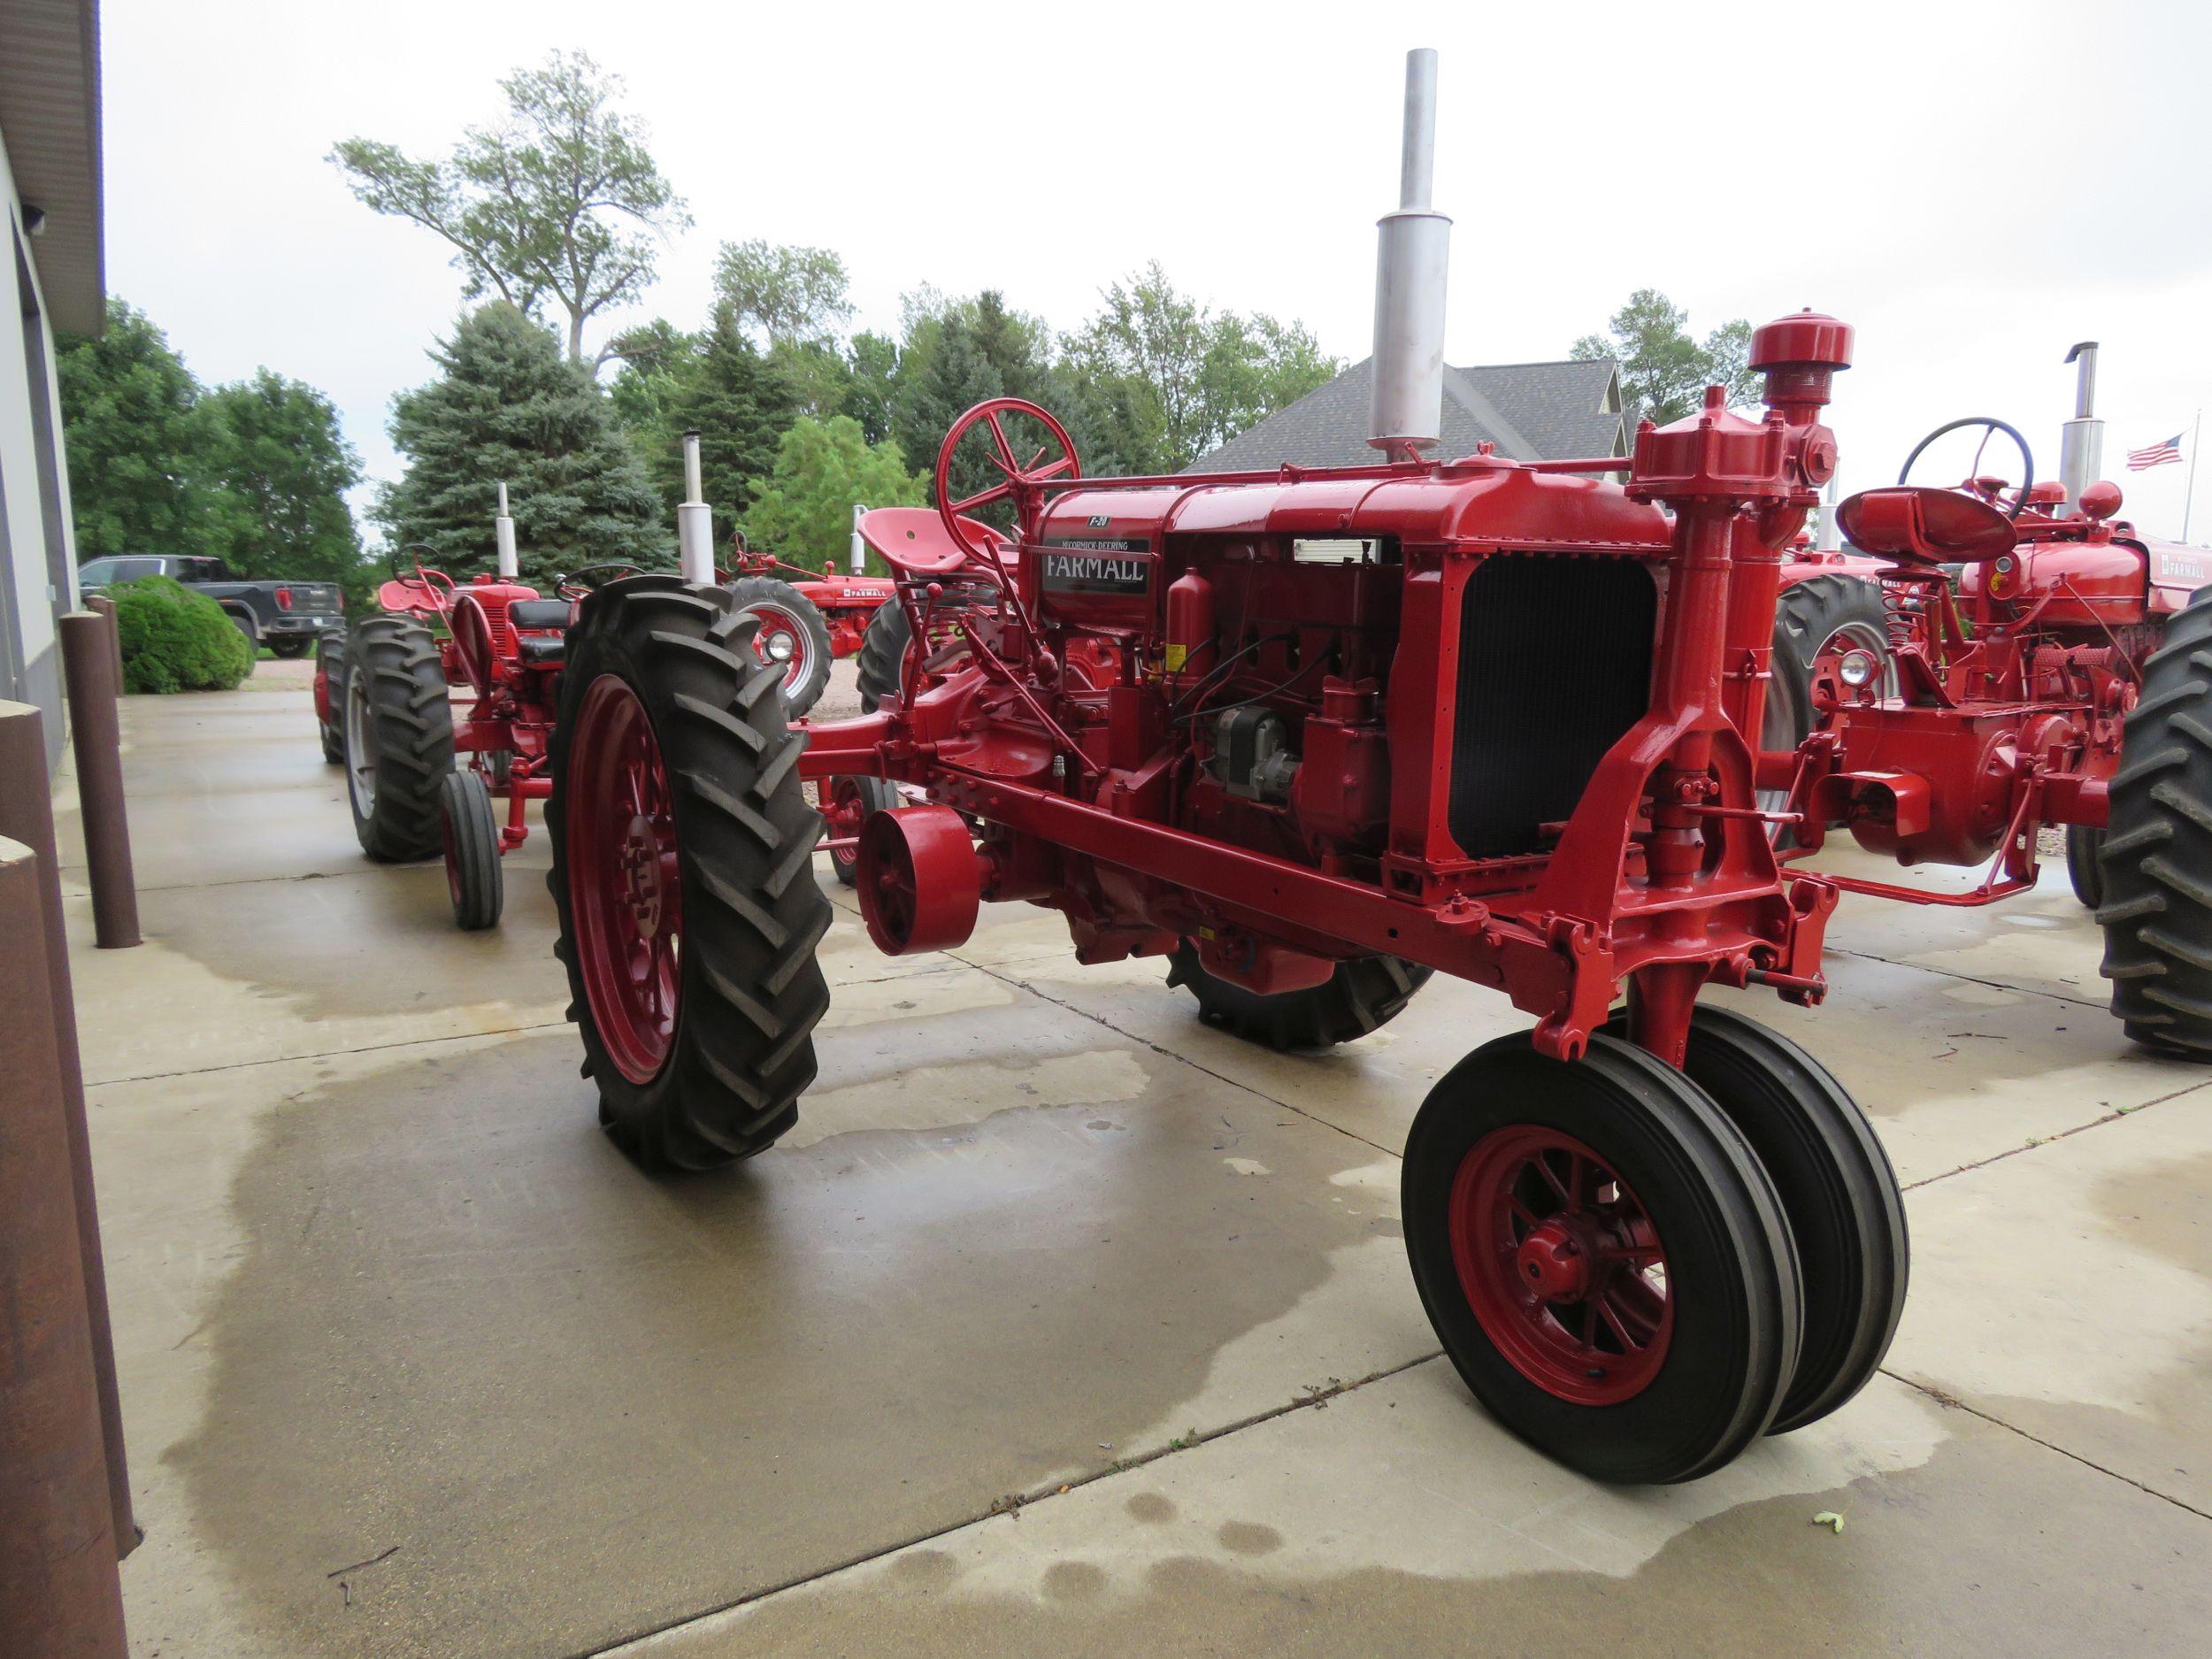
(624, 882)
(1561, 1265)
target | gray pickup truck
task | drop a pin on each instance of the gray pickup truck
(284, 616)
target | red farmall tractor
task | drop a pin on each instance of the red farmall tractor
(2046, 664)
(1309, 737)
(421, 775)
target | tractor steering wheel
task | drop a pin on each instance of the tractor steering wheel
(1023, 479)
(2027, 457)
(590, 578)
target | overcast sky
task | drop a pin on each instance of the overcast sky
(1975, 187)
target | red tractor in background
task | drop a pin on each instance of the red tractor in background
(1308, 737)
(393, 692)
(394, 725)
(2046, 664)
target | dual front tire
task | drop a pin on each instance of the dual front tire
(1641, 1270)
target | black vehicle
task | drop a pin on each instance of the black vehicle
(284, 616)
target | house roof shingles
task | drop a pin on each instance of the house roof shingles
(1531, 411)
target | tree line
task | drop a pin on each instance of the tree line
(254, 473)
(557, 213)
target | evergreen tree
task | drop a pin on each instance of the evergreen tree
(281, 469)
(739, 402)
(134, 434)
(507, 408)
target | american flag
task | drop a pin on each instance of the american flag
(2157, 455)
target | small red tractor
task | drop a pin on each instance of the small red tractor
(2046, 664)
(401, 737)
(422, 775)
(1308, 737)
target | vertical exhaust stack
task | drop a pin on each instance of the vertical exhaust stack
(859, 548)
(504, 531)
(694, 523)
(2081, 445)
(1413, 247)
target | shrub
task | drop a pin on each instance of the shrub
(176, 640)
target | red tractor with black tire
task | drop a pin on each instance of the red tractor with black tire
(2043, 668)
(422, 775)
(1309, 737)
(1301, 736)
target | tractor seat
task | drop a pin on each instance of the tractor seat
(1923, 525)
(539, 613)
(542, 650)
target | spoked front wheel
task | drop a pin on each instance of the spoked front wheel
(1603, 1258)
(852, 801)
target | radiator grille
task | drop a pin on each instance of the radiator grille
(1555, 665)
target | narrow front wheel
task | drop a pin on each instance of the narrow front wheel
(1603, 1258)
(472, 850)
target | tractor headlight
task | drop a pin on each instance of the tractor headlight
(779, 647)
(1857, 669)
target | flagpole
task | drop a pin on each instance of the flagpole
(2189, 495)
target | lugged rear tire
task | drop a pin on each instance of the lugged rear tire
(399, 737)
(1638, 1168)
(1362, 996)
(889, 631)
(1812, 617)
(2156, 861)
(668, 672)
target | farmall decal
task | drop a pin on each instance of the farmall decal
(2179, 570)
(1098, 565)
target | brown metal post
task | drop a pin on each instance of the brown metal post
(26, 815)
(88, 661)
(59, 1592)
(102, 605)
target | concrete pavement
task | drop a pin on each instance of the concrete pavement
(414, 1363)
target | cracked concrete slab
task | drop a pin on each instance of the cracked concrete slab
(1385, 1522)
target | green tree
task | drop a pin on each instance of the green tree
(782, 296)
(279, 468)
(506, 408)
(739, 402)
(872, 383)
(559, 201)
(134, 436)
(823, 469)
(790, 302)
(1664, 371)
(655, 358)
(1174, 380)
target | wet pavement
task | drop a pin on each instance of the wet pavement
(1061, 1323)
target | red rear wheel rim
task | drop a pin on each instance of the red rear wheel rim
(1561, 1265)
(625, 885)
